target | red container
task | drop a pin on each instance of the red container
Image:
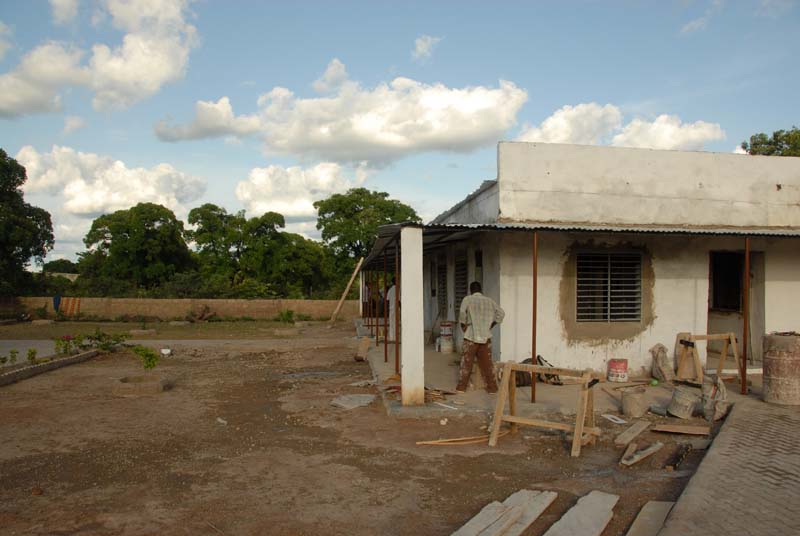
(618, 370)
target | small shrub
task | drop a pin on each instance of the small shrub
(142, 320)
(61, 317)
(247, 319)
(103, 341)
(148, 356)
(31, 355)
(66, 345)
(286, 316)
(3, 360)
(40, 312)
(12, 356)
(304, 317)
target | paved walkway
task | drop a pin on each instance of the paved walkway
(749, 481)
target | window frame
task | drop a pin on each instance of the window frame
(611, 309)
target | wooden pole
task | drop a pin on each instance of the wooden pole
(746, 314)
(346, 291)
(385, 304)
(397, 307)
(534, 310)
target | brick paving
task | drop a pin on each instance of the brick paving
(749, 481)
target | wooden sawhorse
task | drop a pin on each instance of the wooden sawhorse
(583, 431)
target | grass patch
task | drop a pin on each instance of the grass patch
(249, 329)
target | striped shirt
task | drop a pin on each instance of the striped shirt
(478, 312)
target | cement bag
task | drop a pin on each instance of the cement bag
(715, 398)
(662, 368)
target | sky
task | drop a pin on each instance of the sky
(261, 106)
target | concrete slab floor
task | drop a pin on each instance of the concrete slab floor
(441, 372)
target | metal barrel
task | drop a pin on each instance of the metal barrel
(782, 369)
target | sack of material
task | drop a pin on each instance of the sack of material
(662, 368)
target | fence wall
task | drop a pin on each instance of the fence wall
(166, 309)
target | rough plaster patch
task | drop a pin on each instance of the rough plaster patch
(602, 333)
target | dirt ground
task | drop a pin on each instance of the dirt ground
(247, 443)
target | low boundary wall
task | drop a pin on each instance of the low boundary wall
(168, 309)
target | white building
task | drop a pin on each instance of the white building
(632, 247)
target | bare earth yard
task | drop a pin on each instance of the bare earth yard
(243, 444)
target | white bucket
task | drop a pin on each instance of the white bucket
(446, 345)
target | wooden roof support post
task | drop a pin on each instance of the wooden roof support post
(347, 291)
(746, 314)
(385, 306)
(534, 310)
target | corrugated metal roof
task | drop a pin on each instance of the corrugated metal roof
(388, 233)
(619, 228)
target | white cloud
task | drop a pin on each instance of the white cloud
(5, 39)
(774, 8)
(587, 124)
(334, 76)
(668, 132)
(592, 124)
(379, 124)
(292, 191)
(89, 184)
(695, 25)
(423, 47)
(154, 51)
(33, 86)
(64, 11)
(738, 150)
(73, 123)
(701, 23)
(211, 119)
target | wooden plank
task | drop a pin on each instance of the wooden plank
(539, 369)
(580, 421)
(651, 518)
(588, 517)
(502, 394)
(471, 440)
(711, 337)
(548, 424)
(499, 527)
(512, 399)
(640, 455)
(533, 504)
(346, 290)
(630, 434)
(681, 429)
(488, 515)
(631, 448)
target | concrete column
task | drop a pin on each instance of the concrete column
(412, 343)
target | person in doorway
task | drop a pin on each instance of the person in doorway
(390, 299)
(477, 316)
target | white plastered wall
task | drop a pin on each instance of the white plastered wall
(680, 295)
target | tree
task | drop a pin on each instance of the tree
(143, 245)
(782, 143)
(60, 266)
(26, 231)
(350, 221)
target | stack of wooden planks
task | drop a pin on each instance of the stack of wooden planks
(509, 518)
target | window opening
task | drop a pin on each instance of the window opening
(609, 287)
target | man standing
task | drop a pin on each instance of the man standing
(478, 315)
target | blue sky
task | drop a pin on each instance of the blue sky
(272, 105)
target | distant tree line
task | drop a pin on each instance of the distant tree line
(145, 251)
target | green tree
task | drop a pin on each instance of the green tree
(60, 266)
(143, 245)
(349, 222)
(781, 143)
(26, 231)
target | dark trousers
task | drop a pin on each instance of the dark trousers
(470, 351)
